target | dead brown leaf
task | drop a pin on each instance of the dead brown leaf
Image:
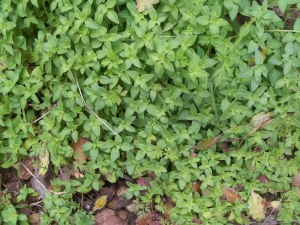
(24, 174)
(169, 205)
(298, 193)
(146, 220)
(34, 218)
(108, 217)
(193, 154)
(196, 187)
(122, 190)
(230, 194)
(122, 202)
(296, 180)
(265, 203)
(77, 147)
(122, 214)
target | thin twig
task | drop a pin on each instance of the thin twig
(53, 192)
(271, 213)
(101, 120)
(167, 28)
(41, 117)
(36, 203)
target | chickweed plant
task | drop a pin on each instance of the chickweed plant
(144, 86)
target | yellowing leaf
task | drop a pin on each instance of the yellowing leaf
(275, 204)
(207, 142)
(100, 203)
(143, 5)
(263, 53)
(260, 118)
(256, 207)
(44, 163)
(111, 177)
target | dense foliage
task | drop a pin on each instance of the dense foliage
(165, 79)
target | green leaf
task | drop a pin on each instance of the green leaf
(140, 155)
(115, 154)
(181, 184)
(130, 169)
(241, 94)
(8, 163)
(112, 15)
(104, 80)
(282, 5)
(280, 83)
(87, 146)
(126, 147)
(91, 24)
(152, 110)
(275, 60)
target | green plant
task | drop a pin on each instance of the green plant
(146, 88)
(9, 214)
(25, 192)
(60, 208)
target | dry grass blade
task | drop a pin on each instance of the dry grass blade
(84, 102)
(53, 192)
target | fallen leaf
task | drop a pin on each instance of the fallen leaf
(34, 218)
(169, 205)
(256, 207)
(260, 118)
(264, 179)
(77, 148)
(193, 154)
(296, 180)
(231, 196)
(143, 5)
(99, 203)
(111, 204)
(225, 147)
(265, 203)
(145, 220)
(196, 186)
(275, 204)
(298, 193)
(122, 214)
(207, 142)
(121, 202)
(108, 217)
(44, 162)
(13, 186)
(77, 174)
(109, 190)
(122, 190)
(24, 173)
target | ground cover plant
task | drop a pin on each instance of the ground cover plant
(195, 103)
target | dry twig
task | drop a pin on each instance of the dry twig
(53, 192)
(84, 102)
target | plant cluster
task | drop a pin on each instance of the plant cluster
(161, 80)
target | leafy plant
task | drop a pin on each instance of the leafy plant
(189, 91)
